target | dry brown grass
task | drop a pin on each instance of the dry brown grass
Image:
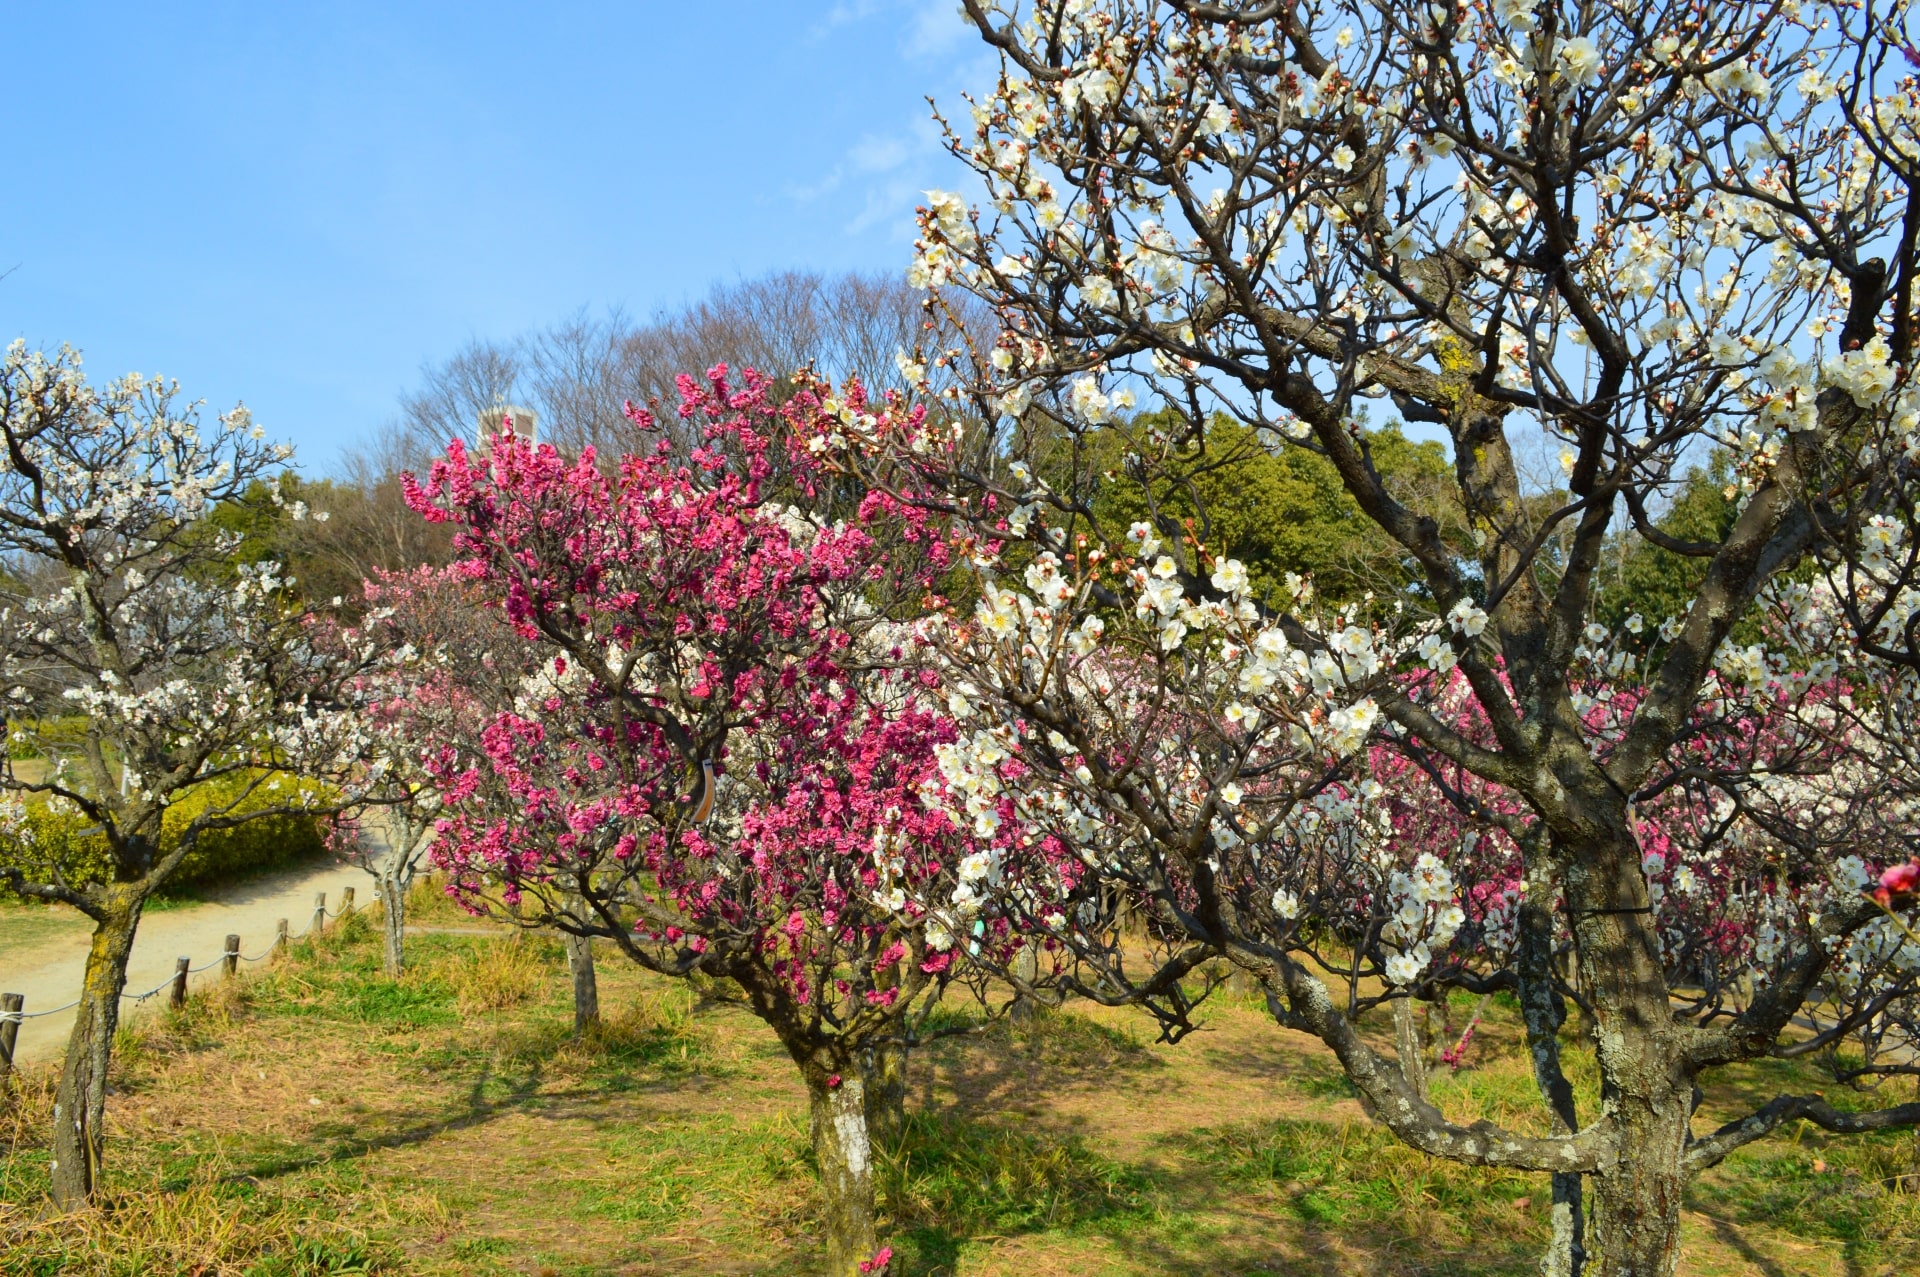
(182, 1229)
(498, 977)
(26, 1109)
(672, 1140)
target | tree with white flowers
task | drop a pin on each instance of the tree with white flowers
(452, 662)
(144, 668)
(1626, 238)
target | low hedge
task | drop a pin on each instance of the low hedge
(59, 835)
(65, 735)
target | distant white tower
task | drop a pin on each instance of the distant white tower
(526, 422)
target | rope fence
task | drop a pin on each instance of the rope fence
(15, 1017)
(13, 1012)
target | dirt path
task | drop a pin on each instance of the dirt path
(48, 969)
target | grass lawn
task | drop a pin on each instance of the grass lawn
(319, 1119)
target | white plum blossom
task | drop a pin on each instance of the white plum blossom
(1437, 653)
(1579, 60)
(1215, 120)
(1231, 578)
(1404, 968)
(1866, 374)
(1466, 618)
(1517, 14)
(1088, 401)
(1084, 639)
(1160, 595)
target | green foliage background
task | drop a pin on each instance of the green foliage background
(1278, 509)
(56, 834)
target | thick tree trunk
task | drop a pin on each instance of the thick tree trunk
(586, 987)
(1544, 1012)
(393, 925)
(80, 1102)
(1634, 1227)
(1409, 1044)
(1026, 968)
(1439, 1025)
(845, 1157)
(886, 1088)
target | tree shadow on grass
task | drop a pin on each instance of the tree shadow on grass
(343, 1144)
(1730, 1234)
(1289, 1196)
(517, 1073)
(993, 1068)
(948, 1180)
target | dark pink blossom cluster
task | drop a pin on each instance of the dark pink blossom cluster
(725, 718)
(1898, 882)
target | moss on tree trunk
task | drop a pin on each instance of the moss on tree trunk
(80, 1102)
(843, 1152)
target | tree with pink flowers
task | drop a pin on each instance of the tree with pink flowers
(1168, 746)
(723, 759)
(1631, 240)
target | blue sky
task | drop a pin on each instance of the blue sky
(299, 204)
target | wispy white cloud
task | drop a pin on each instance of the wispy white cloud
(879, 154)
(846, 13)
(935, 28)
(888, 197)
(879, 178)
(872, 156)
(928, 28)
(888, 206)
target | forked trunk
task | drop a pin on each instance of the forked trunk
(886, 1086)
(1633, 1228)
(586, 987)
(393, 925)
(1409, 1044)
(844, 1155)
(80, 1101)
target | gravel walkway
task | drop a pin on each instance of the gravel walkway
(49, 974)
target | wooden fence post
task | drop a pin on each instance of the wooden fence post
(319, 926)
(346, 901)
(231, 957)
(178, 998)
(10, 1004)
(280, 937)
